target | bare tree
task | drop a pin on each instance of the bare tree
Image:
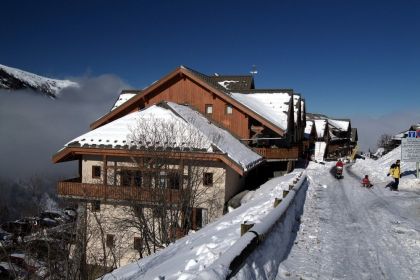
(385, 141)
(179, 186)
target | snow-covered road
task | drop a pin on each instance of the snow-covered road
(349, 232)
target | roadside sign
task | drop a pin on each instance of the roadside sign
(410, 149)
(413, 134)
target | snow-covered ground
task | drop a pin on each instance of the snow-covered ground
(345, 231)
(349, 232)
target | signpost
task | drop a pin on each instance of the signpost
(410, 148)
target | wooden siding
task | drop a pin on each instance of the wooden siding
(186, 91)
(278, 153)
(72, 189)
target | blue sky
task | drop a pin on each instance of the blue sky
(347, 58)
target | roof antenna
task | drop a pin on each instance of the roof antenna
(254, 70)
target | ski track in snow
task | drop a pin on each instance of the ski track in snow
(349, 232)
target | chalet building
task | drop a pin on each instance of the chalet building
(395, 140)
(339, 137)
(150, 158)
(270, 121)
(185, 144)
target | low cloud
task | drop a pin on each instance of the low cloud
(370, 129)
(33, 128)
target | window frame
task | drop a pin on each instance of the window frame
(95, 169)
(207, 107)
(208, 179)
(96, 206)
(137, 243)
(110, 240)
(228, 109)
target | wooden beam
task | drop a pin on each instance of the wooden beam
(71, 153)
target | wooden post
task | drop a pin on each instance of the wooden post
(285, 193)
(245, 227)
(105, 181)
(277, 201)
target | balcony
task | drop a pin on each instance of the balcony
(73, 189)
(281, 154)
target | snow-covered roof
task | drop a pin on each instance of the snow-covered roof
(273, 107)
(296, 104)
(320, 126)
(339, 124)
(227, 83)
(124, 97)
(308, 127)
(219, 137)
(400, 135)
(178, 127)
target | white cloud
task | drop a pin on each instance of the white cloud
(34, 127)
(370, 129)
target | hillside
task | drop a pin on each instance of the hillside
(16, 79)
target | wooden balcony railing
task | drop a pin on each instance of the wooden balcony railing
(71, 189)
(278, 153)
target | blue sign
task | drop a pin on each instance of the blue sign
(411, 134)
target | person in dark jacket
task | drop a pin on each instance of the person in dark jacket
(395, 172)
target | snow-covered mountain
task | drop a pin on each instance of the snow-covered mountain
(15, 79)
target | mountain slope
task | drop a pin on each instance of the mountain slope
(15, 79)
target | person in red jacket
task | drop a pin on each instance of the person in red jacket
(339, 163)
(366, 183)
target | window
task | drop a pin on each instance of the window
(201, 217)
(137, 179)
(125, 177)
(110, 240)
(208, 179)
(209, 109)
(137, 244)
(174, 181)
(229, 110)
(96, 206)
(130, 178)
(162, 179)
(96, 171)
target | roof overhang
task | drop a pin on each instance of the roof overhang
(73, 153)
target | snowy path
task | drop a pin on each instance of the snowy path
(348, 232)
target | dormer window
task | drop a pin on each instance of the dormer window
(209, 109)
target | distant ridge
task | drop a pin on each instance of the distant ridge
(16, 79)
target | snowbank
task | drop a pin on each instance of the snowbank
(378, 169)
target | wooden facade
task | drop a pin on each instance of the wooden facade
(184, 87)
(285, 154)
(186, 91)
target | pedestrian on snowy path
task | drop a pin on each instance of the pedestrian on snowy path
(366, 183)
(395, 172)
